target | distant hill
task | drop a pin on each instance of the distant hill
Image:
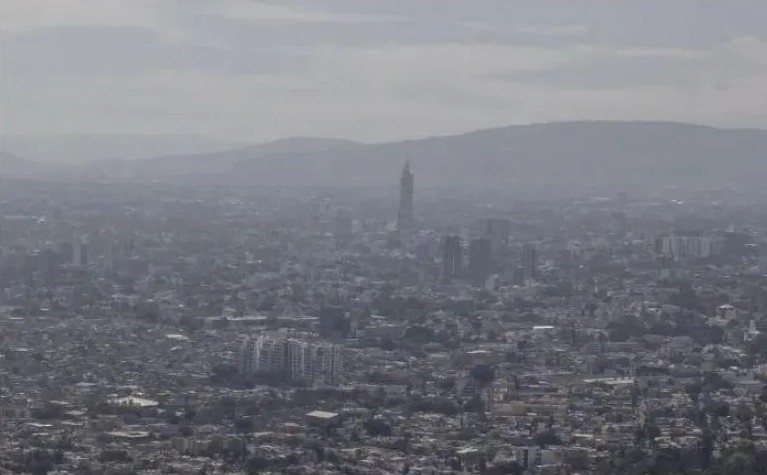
(573, 154)
(217, 163)
(303, 145)
(82, 148)
(11, 164)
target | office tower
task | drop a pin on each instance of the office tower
(343, 225)
(77, 251)
(518, 276)
(530, 262)
(452, 257)
(49, 266)
(354, 323)
(80, 252)
(84, 255)
(497, 231)
(66, 253)
(109, 256)
(405, 213)
(480, 260)
(618, 223)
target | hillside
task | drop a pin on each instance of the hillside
(202, 165)
(11, 164)
(84, 148)
(605, 154)
(574, 155)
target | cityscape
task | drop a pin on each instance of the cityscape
(191, 331)
(382, 237)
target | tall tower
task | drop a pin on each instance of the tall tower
(452, 257)
(480, 260)
(497, 231)
(80, 251)
(530, 262)
(405, 214)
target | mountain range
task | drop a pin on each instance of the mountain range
(83, 148)
(567, 154)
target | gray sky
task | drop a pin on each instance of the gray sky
(375, 70)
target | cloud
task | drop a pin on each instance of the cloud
(748, 48)
(399, 90)
(26, 15)
(374, 70)
(559, 31)
(114, 51)
(285, 12)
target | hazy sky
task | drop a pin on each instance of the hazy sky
(376, 69)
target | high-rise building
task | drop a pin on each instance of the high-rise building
(497, 231)
(480, 260)
(405, 213)
(77, 252)
(109, 256)
(298, 360)
(343, 225)
(84, 255)
(685, 246)
(49, 266)
(452, 257)
(66, 253)
(80, 252)
(530, 262)
(327, 364)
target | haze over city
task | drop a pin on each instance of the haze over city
(411, 237)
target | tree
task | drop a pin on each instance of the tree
(475, 404)
(718, 409)
(624, 328)
(693, 390)
(687, 298)
(743, 412)
(738, 464)
(647, 433)
(39, 462)
(547, 437)
(758, 347)
(388, 344)
(506, 468)
(446, 384)
(483, 374)
(243, 424)
(257, 465)
(377, 428)
(419, 335)
(763, 395)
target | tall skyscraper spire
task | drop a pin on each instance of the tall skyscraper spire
(405, 214)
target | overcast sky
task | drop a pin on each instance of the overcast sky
(376, 70)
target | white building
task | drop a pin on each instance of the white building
(318, 363)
